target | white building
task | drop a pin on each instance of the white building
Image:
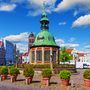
(75, 54)
(8, 51)
(26, 58)
(87, 57)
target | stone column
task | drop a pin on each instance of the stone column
(30, 56)
(50, 54)
(35, 56)
(42, 54)
(57, 56)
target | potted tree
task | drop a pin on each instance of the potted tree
(4, 72)
(14, 73)
(28, 72)
(9, 67)
(86, 76)
(46, 75)
(65, 77)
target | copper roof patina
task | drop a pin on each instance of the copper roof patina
(44, 38)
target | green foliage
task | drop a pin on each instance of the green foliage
(3, 70)
(14, 71)
(64, 54)
(64, 74)
(46, 73)
(0, 70)
(86, 74)
(28, 71)
(34, 66)
(9, 67)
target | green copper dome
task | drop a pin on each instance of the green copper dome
(44, 38)
(44, 17)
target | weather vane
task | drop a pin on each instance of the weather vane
(44, 5)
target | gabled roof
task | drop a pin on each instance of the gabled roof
(69, 50)
(0, 43)
(81, 54)
(26, 54)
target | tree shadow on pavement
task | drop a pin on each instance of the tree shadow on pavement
(53, 83)
(20, 79)
(36, 81)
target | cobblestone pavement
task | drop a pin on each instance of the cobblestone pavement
(55, 83)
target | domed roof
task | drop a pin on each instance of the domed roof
(44, 17)
(44, 38)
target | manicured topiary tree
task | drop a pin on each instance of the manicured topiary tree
(14, 73)
(4, 72)
(65, 76)
(28, 72)
(46, 75)
(86, 76)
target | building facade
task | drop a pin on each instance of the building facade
(14, 53)
(8, 51)
(26, 58)
(2, 53)
(31, 39)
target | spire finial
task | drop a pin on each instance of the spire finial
(44, 5)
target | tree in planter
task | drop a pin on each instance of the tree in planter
(4, 72)
(64, 55)
(46, 75)
(9, 67)
(86, 76)
(14, 73)
(65, 76)
(28, 72)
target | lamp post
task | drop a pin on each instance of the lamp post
(16, 59)
(19, 59)
(64, 60)
(51, 62)
(75, 61)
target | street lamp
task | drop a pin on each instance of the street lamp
(64, 60)
(19, 59)
(75, 60)
(51, 62)
(16, 59)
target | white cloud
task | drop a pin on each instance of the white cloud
(82, 21)
(22, 47)
(87, 47)
(7, 7)
(75, 13)
(80, 52)
(71, 39)
(71, 4)
(37, 6)
(69, 45)
(59, 41)
(23, 37)
(62, 23)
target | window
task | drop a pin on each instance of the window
(54, 55)
(30, 40)
(46, 55)
(33, 55)
(39, 55)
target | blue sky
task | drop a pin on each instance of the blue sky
(69, 22)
